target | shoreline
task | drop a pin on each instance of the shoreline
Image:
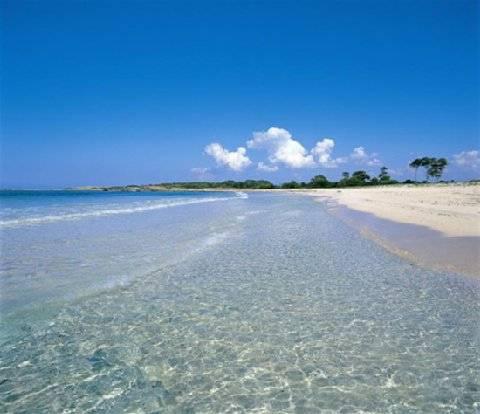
(417, 244)
(437, 227)
(452, 209)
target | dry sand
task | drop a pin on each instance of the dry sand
(452, 209)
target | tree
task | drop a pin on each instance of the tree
(383, 176)
(416, 164)
(425, 163)
(360, 176)
(436, 167)
(319, 181)
(291, 184)
(443, 162)
(433, 167)
(345, 178)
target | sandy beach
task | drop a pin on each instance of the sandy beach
(435, 226)
(452, 209)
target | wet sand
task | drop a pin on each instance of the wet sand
(452, 209)
(438, 234)
(418, 244)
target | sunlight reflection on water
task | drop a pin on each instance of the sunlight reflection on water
(285, 310)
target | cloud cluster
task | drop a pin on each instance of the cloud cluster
(361, 156)
(283, 149)
(236, 160)
(468, 159)
(323, 152)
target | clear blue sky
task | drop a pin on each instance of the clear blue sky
(125, 92)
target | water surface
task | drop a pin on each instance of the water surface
(258, 304)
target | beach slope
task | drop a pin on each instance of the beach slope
(452, 209)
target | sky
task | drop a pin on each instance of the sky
(122, 92)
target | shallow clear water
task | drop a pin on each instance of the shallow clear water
(59, 245)
(258, 304)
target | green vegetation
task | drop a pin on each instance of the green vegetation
(356, 179)
(193, 185)
(248, 184)
(435, 170)
(319, 181)
(291, 184)
(383, 177)
(433, 167)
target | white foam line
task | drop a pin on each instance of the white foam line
(109, 212)
(241, 194)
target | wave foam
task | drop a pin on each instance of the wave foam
(109, 212)
(241, 194)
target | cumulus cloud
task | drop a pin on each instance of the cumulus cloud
(282, 148)
(358, 153)
(236, 160)
(323, 153)
(468, 159)
(264, 167)
(361, 156)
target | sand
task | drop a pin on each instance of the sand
(452, 209)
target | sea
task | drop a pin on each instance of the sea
(222, 302)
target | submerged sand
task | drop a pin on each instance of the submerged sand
(452, 209)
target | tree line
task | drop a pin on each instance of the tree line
(193, 185)
(247, 184)
(433, 170)
(356, 179)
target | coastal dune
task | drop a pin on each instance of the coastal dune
(452, 209)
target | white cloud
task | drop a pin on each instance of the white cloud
(374, 162)
(264, 167)
(468, 159)
(358, 153)
(282, 148)
(361, 156)
(236, 160)
(201, 173)
(199, 170)
(323, 151)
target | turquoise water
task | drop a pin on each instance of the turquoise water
(223, 303)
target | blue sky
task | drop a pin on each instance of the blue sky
(135, 92)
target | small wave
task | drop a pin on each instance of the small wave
(109, 212)
(241, 194)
